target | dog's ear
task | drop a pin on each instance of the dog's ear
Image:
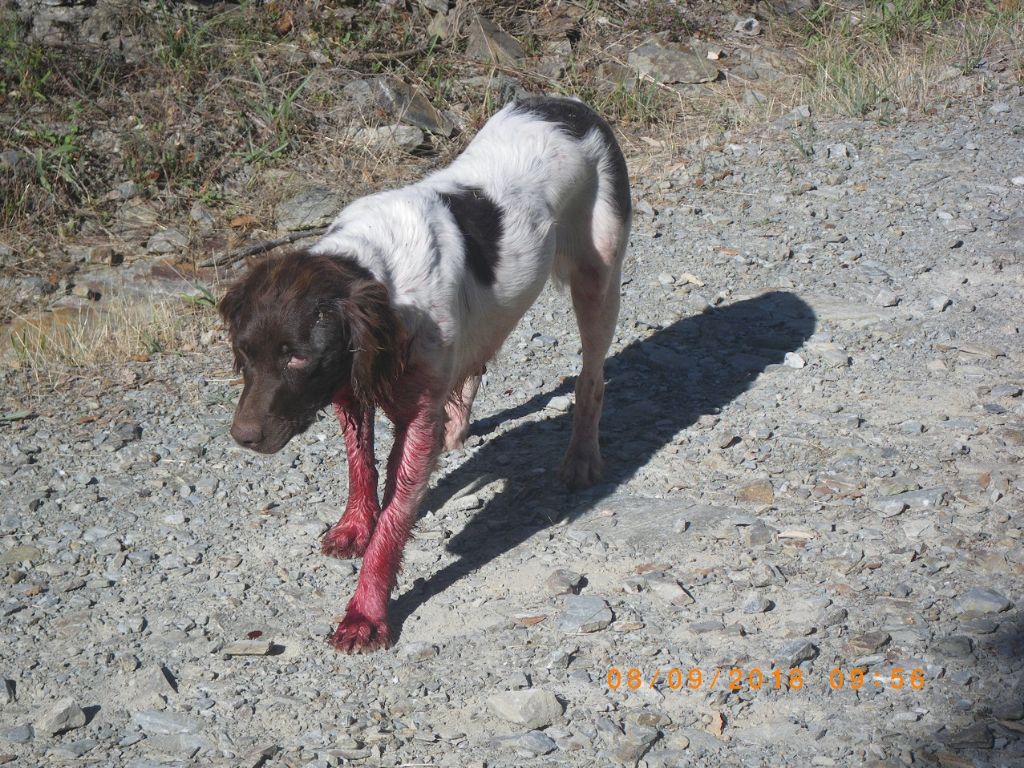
(230, 305)
(377, 341)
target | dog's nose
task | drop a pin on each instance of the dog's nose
(247, 433)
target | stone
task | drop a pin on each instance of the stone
(153, 722)
(671, 64)
(487, 43)
(583, 614)
(63, 715)
(869, 642)
(167, 241)
(627, 749)
(536, 743)
(794, 653)
(21, 554)
(310, 208)
(560, 403)
(16, 734)
(72, 750)
(407, 138)
(759, 492)
(954, 647)
(977, 736)
(203, 219)
(756, 603)
(248, 648)
(749, 26)
(400, 101)
(926, 498)
(886, 298)
(564, 582)
(418, 651)
(793, 360)
(979, 601)
(532, 707)
(668, 589)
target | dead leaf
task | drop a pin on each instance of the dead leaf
(284, 24)
(529, 621)
(246, 221)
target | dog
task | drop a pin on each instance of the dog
(404, 300)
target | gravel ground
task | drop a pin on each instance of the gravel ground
(813, 427)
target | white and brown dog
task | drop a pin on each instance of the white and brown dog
(407, 297)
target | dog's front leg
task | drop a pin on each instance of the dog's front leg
(418, 431)
(351, 535)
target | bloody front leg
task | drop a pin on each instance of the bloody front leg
(351, 534)
(418, 429)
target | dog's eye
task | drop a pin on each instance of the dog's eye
(298, 362)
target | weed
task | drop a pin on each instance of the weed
(51, 342)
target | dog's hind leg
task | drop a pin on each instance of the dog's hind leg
(351, 535)
(457, 409)
(594, 282)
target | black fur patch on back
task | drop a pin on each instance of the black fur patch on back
(481, 223)
(577, 119)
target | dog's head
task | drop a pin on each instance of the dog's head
(304, 327)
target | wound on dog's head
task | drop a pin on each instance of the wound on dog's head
(304, 329)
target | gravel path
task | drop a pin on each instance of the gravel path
(814, 428)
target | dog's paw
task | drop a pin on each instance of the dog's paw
(358, 633)
(582, 468)
(346, 540)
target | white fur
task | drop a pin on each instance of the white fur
(555, 193)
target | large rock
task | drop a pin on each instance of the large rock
(64, 715)
(584, 613)
(979, 601)
(399, 101)
(407, 138)
(490, 44)
(311, 208)
(674, 64)
(532, 708)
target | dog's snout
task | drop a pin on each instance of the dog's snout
(248, 434)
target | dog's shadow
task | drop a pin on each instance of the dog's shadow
(656, 387)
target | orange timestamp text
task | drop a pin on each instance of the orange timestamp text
(754, 679)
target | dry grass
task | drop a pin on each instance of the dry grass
(49, 344)
(902, 57)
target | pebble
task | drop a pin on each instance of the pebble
(793, 360)
(17, 734)
(535, 743)
(869, 642)
(72, 750)
(532, 708)
(795, 653)
(153, 722)
(560, 403)
(62, 715)
(584, 614)
(886, 298)
(562, 581)
(417, 651)
(756, 603)
(248, 648)
(979, 601)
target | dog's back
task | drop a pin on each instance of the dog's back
(542, 189)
